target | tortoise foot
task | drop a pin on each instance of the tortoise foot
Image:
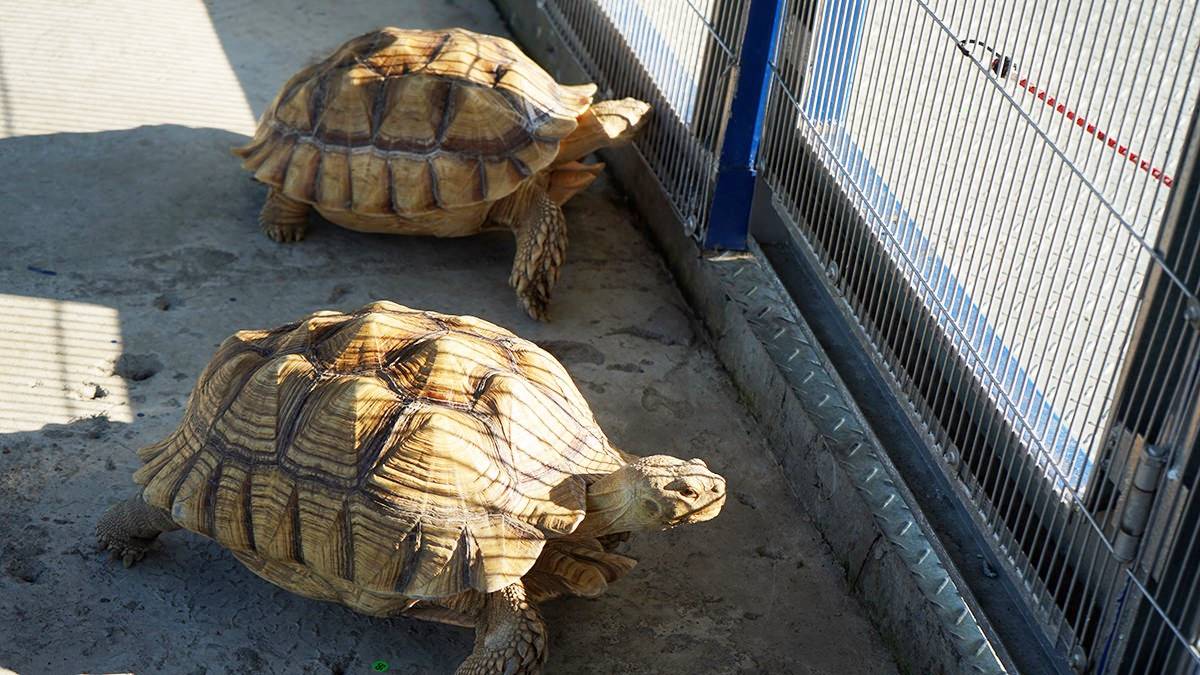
(510, 638)
(536, 305)
(129, 528)
(284, 233)
(283, 219)
(128, 550)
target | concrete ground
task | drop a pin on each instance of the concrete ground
(130, 251)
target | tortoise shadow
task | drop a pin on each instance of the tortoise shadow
(117, 194)
(67, 607)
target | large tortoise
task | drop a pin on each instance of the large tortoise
(407, 463)
(435, 132)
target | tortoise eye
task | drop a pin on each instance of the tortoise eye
(683, 488)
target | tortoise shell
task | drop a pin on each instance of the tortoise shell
(381, 457)
(413, 122)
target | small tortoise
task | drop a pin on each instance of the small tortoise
(445, 133)
(407, 463)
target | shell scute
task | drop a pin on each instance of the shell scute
(334, 436)
(301, 176)
(412, 113)
(333, 180)
(412, 185)
(275, 163)
(457, 179)
(372, 190)
(447, 369)
(482, 121)
(342, 108)
(293, 109)
(274, 513)
(415, 470)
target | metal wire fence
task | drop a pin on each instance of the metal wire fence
(679, 56)
(1005, 197)
(985, 184)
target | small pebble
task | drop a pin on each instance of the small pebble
(109, 464)
(161, 302)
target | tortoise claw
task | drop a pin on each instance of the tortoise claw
(128, 552)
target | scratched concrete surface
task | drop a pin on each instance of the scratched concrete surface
(129, 239)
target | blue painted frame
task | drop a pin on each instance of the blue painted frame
(729, 215)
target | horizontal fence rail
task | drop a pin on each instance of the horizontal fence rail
(995, 191)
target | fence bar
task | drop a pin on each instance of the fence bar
(729, 222)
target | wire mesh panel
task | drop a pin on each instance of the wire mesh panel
(681, 57)
(987, 184)
(1154, 431)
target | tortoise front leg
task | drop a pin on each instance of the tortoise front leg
(541, 234)
(283, 218)
(510, 636)
(128, 528)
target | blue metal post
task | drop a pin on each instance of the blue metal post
(729, 217)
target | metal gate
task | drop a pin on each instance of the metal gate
(1004, 196)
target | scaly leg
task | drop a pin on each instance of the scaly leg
(129, 527)
(283, 218)
(541, 244)
(510, 637)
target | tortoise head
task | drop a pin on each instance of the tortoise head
(653, 493)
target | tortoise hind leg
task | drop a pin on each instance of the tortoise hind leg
(128, 528)
(541, 234)
(510, 637)
(283, 218)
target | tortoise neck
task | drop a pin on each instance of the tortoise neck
(609, 502)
